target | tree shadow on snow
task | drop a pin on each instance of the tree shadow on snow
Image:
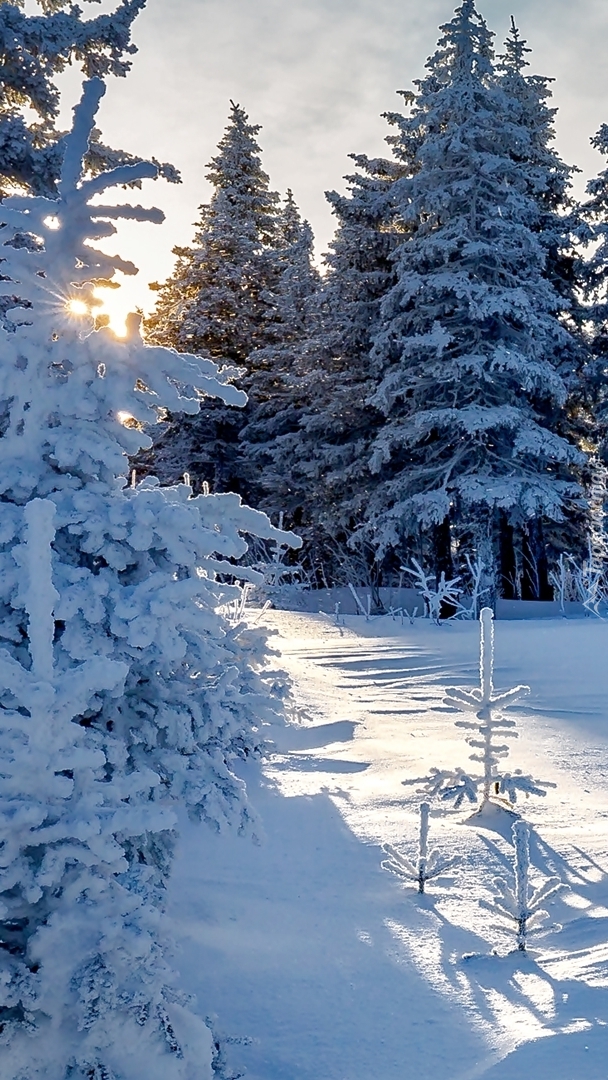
(557, 988)
(311, 738)
(308, 763)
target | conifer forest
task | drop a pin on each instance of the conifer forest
(303, 588)
(437, 389)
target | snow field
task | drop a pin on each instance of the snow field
(331, 964)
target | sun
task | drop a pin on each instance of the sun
(77, 307)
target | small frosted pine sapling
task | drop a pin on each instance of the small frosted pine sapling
(486, 729)
(520, 908)
(427, 866)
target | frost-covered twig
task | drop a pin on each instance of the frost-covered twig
(443, 592)
(476, 570)
(517, 905)
(362, 608)
(427, 866)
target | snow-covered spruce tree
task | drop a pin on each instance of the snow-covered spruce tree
(559, 227)
(222, 302)
(595, 284)
(123, 689)
(476, 443)
(318, 472)
(273, 377)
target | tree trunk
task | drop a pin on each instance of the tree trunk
(535, 579)
(507, 584)
(442, 558)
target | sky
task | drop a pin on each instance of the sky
(317, 75)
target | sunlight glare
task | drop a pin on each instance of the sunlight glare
(113, 305)
(52, 222)
(77, 307)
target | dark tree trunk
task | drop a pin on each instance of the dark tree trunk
(535, 578)
(442, 549)
(442, 553)
(507, 583)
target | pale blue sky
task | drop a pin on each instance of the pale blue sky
(316, 74)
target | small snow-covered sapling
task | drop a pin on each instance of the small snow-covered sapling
(488, 726)
(516, 905)
(427, 866)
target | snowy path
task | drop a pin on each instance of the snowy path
(336, 970)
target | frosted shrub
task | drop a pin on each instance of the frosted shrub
(436, 592)
(486, 729)
(427, 866)
(123, 690)
(477, 571)
(518, 906)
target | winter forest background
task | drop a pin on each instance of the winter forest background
(432, 394)
(437, 392)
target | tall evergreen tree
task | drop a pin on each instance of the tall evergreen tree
(220, 298)
(559, 228)
(595, 285)
(234, 295)
(477, 448)
(315, 470)
(273, 379)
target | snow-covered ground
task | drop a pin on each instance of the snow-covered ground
(334, 968)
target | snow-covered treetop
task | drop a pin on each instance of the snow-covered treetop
(464, 49)
(35, 48)
(549, 175)
(219, 300)
(237, 171)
